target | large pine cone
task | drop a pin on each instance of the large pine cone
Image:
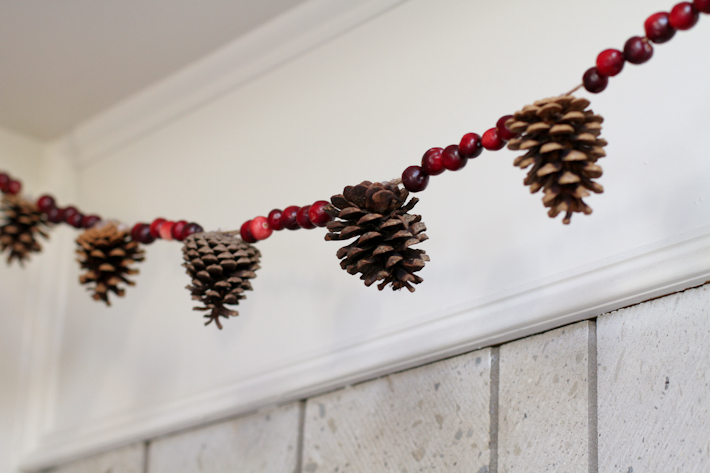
(220, 266)
(107, 252)
(377, 215)
(562, 144)
(23, 224)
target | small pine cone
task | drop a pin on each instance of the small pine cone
(106, 252)
(220, 266)
(23, 224)
(377, 215)
(562, 144)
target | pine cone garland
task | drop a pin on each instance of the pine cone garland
(220, 266)
(107, 252)
(377, 215)
(561, 140)
(23, 224)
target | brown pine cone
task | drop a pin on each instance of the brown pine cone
(377, 215)
(107, 252)
(562, 144)
(23, 224)
(220, 266)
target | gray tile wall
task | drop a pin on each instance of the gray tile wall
(627, 392)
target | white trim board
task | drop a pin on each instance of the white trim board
(626, 279)
(273, 44)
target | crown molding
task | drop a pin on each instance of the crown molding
(273, 44)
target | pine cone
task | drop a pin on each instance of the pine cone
(220, 266)
(106, 252)
(562, 144)
(24, 222)
(378, 215)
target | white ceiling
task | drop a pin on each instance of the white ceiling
(63, 61)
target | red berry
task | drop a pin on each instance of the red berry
(302, 218)
(503, 132)
(452, 159)
(14, 187)
(702, 5)
(68, 213)
(4, 181)
(658, 28)
(55, 215)
(191, 229)
(683, 16)
(144, 235)
(637, 50)
(610, 62)
(260, 229)
(432, 163)
(246, 233)
(166, 230)
(289, 217)
(135, 231)
(74, 220)
(415, 179)
(90, 220)
(593, 81)
(491, 141)
(177, 229)
(274, 219)
(155, 227)
(45, 203)
(470, 146)
(317, 214)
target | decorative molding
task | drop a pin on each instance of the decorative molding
(606, 285)
(277, 42)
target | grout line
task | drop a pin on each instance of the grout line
(301, 434)
(146, 453)
(592, 398)
(495, 383)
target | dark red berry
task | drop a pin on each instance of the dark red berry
(144, 235)
(702, 6)
(191, 229)
(155, 227)
(302, 218)
(259, 228)
(432, 163)
(69, 212)
(14, 187)
(178, 228)
(317, 214)
(90, 220)
(274, 219)
(683, 16)
(593, 81)
(637, 50)
(452, 159)
(45, 203)
(166, 230)
(288, 217)
(503, 132)
(470, 146)
(658, 28)
(610, 62)
(491, 141)
(245, 232)
(74, 220)
(4, 181)
(415, 179)
(135, 231)
(55, 215)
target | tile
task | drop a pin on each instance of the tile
(432, 418)
(129, 459)
(265, 442)
(543, 402)
(654, 385)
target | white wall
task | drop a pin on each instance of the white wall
(364, 106)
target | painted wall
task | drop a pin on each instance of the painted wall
(364, 105)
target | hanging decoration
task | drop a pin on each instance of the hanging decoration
(378, 215)
(560, 137)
